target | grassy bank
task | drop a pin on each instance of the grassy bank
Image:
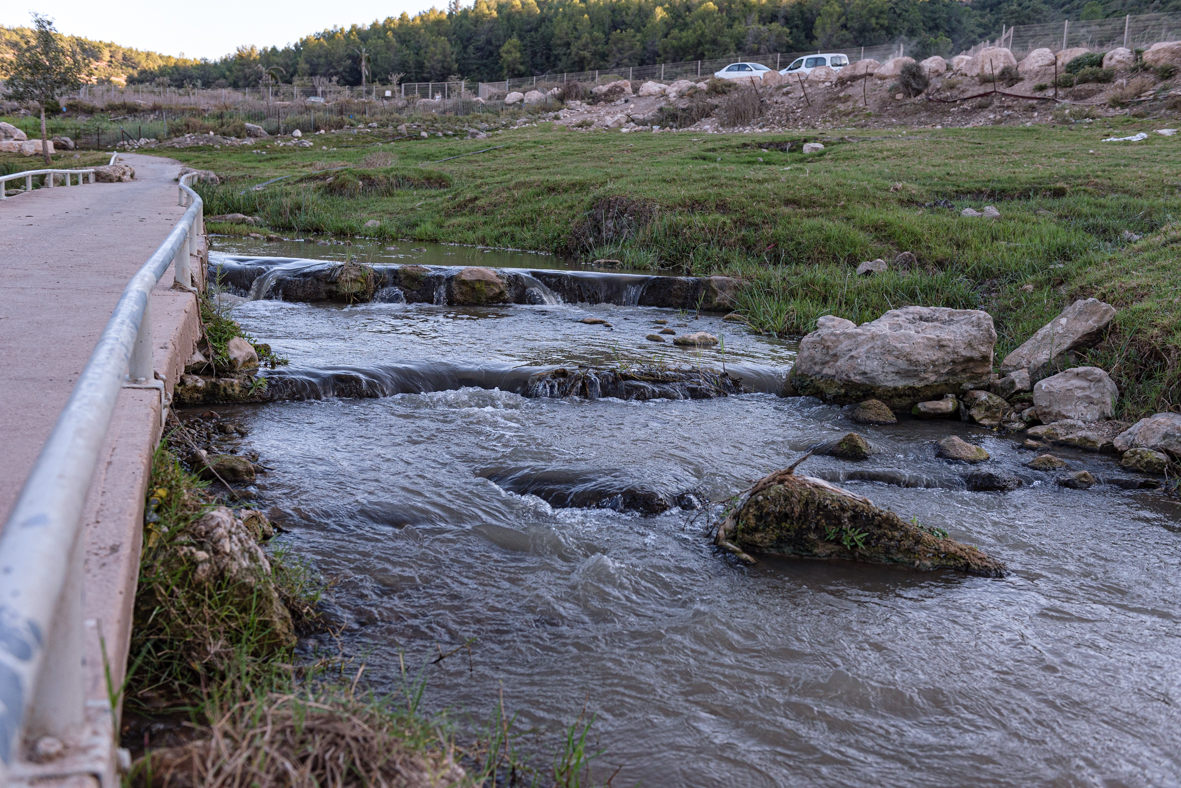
(793, 226)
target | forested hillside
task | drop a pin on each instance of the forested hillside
(495, 39)
(111, 62)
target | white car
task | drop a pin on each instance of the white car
(742, 71)
(804, 65)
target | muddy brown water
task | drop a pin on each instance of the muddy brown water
(703, 672)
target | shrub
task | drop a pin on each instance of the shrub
(740, 108)
(1065, 81)
(572, 91)
(679, 117)
(913, 80)
(719, 87)
(1089, 60)
(1130, 92)
(1039, 87)
(1167, 71)
(1009, 76)
(83, 107)
(1092, 74)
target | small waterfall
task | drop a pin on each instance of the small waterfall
(632, 293)
(537, 293)
(440, 298)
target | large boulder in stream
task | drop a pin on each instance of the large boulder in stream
(794, 515)
(474, 286)
(905, 357)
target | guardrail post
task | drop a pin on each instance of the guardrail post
(49, 180)
(140, 367)
(59, 700)
(180, 263)
(28, 183)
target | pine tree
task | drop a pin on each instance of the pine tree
(44, 70)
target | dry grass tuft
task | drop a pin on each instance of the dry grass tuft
(379, 159)
(299, 742)
(740, 108)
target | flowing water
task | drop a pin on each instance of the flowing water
(703, 672)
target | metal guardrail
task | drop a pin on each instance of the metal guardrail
(42, 631)
(47, 178)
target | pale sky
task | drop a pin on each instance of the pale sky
(210, 28)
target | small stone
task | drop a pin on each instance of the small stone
(983, 408)
(242, 354)
(873, 411)
(47, 748)
(297, 134)
(813, 147)
(956, 448)
(660, 322)
(372, 223)
(1046, 462)
(851, 447)
(905, 261)
(1013, 383)
(654, 338)
(1080, 480)
(1134, 482)
(593, 321)
(871, 267)
(937, 409)
(1145, 461)
(991, 481)
(990, 212)
(1032, 445)
(696, 339)
(667, 331)
(970, 212)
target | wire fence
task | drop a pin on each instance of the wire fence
(1098, 35)
(695, 70)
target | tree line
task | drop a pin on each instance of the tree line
(498, 39)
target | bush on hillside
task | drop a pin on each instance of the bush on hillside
(1089, 60)
(913, 80)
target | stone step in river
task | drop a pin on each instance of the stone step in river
(479, 515)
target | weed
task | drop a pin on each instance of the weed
(913, 80)
(740, 108)
(378, 160)
(720, 87)
(1094, 75)
(850, 538)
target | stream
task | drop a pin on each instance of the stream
(703, 672)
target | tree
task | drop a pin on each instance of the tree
(510, 58)
(44, 70)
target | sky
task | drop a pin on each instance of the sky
(208, 29)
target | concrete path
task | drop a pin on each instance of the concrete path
(65, 256)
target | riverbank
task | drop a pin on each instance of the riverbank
(1078, 217)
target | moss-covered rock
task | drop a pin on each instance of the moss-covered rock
(1079, 480)
(474, 286)
(850, 447)
(873, 411)
(353, 283)
(1046, 462)
(229, 468)
(956, 448)
(194, 390)
(1145, 461)
(794, 515)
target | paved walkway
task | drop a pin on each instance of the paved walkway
(65, 256)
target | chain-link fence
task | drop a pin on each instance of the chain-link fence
(695, 70)
(1098, 35)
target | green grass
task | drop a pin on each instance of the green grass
(793, 226)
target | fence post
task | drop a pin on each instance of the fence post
(1127, 19)
(699, 68)
(661, 72)
(1065, 30)
(180, 263)
(139, 369)
(59, 700)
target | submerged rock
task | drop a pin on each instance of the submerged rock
(992, 481)
(632, 384)
(696, 339)
(1069, 432)
(795, 515)
(1079, 480)
(872, 411)
(850, 447)
(581, 489)
(1046, 462)
(955, 448)
(906, 356)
